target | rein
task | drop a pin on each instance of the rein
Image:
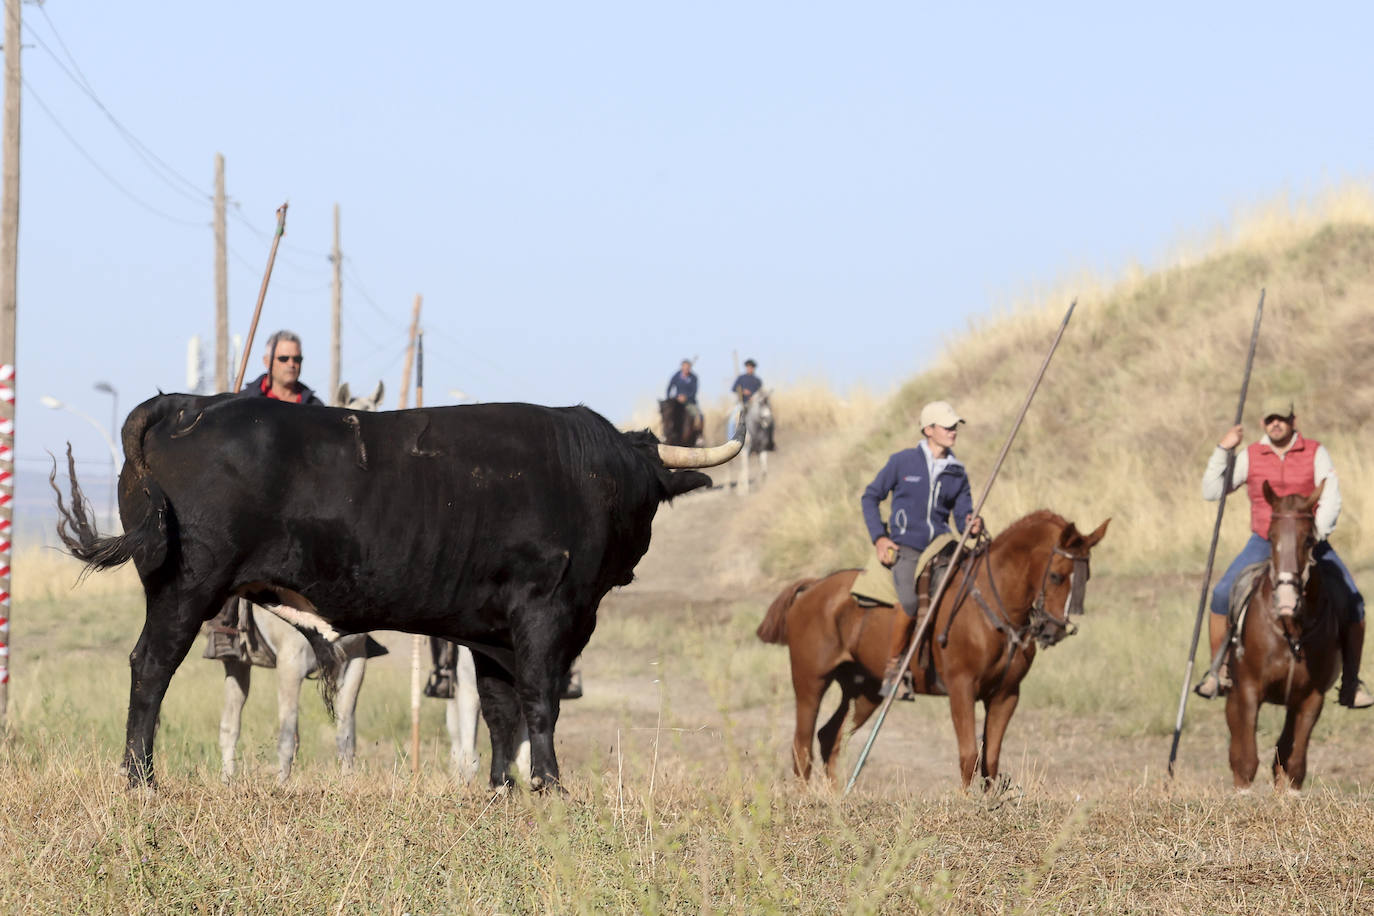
(1040, 623)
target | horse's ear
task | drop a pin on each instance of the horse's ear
(341, 397)
(377, 395)
(1310, 502)
(1269, 496)
(1091, 540)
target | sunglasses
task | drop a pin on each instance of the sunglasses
(291, 359)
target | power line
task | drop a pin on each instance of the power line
(155, 163)
(99, 168)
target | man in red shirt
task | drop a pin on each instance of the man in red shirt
(282, 380)
(1290, 464)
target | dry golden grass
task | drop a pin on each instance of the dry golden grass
(699, 815)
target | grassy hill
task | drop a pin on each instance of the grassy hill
(1143, 385)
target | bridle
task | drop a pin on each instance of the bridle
(1046, 628)
(1041, 625)
(1285, 554)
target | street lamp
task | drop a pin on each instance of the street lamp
(53, 403)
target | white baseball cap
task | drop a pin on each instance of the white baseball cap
(940, 413)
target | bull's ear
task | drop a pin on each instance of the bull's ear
(341, 397)
(675, 483)
(377, 396)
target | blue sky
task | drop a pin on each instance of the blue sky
(584, 193)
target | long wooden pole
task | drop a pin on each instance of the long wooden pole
(958, 551)
(415, 641)
(221, 283)
(262, 294)
(9, 307)
(336, 311)
(1212, 550)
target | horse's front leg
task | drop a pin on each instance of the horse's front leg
(346, 706)
(292, 667)
(809, 688)
(999, 710)
(237, 680)
(1290, 759)
(1242, 711)
(961, 710)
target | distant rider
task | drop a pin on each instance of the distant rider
(747, 384)
(1291, 464)
(682, 387)
(929, 486)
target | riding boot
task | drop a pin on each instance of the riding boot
(1353, 693)
(1215, 685)
(902, 625)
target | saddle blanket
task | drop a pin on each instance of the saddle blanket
(875, 583)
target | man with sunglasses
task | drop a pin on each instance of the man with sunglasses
(1290, 464)
(929, 486)
(282, 380)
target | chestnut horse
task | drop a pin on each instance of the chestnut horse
(678, 428)
(1288, 651)
(1016, 592)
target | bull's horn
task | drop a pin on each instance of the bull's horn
(682, 456)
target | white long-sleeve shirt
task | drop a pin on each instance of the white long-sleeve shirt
(1328, 507)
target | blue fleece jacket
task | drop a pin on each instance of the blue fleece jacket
(919, 512)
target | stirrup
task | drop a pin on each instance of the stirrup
(1215, 685)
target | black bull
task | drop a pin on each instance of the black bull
(500, 526)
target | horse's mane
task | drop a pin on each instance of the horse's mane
(1034, 520)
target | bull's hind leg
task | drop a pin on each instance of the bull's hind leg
(170, 628)
(543, 653)
(237, 680)
(1290, 758)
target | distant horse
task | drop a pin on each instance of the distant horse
(460, 715)
(758, 439)
(677, 425)
(1289, 650)
(295, 660)
(1017, 591)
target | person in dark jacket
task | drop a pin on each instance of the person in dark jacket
(929, 488)
(682, 387)
(282, 380)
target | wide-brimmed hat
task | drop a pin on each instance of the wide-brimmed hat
(940, 413)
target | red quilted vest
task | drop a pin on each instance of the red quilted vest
(1287, 475)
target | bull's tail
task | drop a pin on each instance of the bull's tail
(144, 542)
(774, 626)
(331, 658)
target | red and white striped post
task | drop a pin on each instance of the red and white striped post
(6, 541)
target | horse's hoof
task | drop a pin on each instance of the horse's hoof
(1245, 791)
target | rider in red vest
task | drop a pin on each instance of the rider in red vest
(1290, 464)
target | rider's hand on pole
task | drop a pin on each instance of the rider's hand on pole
(1232, 437)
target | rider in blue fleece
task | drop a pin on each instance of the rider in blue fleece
(929, 486)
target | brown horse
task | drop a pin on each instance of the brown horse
(678, 427)
(1289, 650)
(1016, 592)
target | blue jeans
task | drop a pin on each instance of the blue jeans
(1256, 550)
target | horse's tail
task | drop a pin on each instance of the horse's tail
(774, 627)
(146, 540)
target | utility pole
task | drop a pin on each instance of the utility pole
(336, 348)
(221, 283)
(9, 299)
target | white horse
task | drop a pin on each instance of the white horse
(758, 438)
(295, 661)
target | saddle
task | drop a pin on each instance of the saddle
(874, 587)
(233, 633)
